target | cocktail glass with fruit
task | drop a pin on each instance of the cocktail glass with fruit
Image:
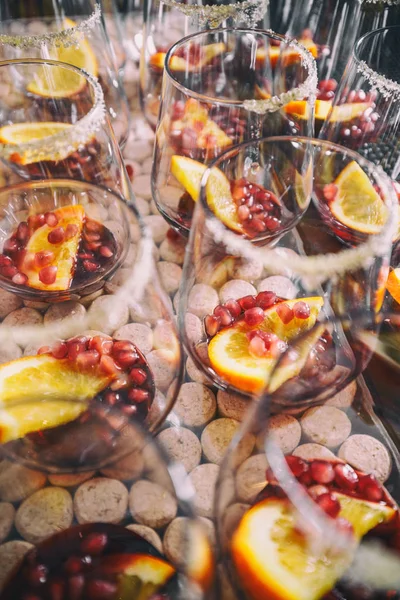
(221, 96)
(241, 304)
(46, 133)
(91, 320)
(168, 21)
(74, 35)
(103, 544)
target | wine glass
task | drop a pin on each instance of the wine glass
(115, 32)
(44, 134)
(225, 96)
(127, 531)
(365, 113)
(248, 301)
(291, 517)
(72, 34)
(168, 21)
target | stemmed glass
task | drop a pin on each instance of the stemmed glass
(72, 34)
(240, 304)
(226, 95)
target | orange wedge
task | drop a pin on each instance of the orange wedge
(349, 111)
(189, 173)
(393, 284)
(21, 133)
(200, 561)
(357, 204)
(289, 55)
(229, 354)
(212, 137)
(274, 560)
(64, 253)
(339, 114)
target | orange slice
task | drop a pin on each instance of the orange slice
(189, 173)
(64, 253)
(21, 133)
(339, 114)
(229, 354)
(357, 204)
(273, 559)
(349, 111)
(393, 284)
(289, 55)
(213, 137)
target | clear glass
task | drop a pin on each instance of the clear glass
(115, 31)
(365, 113)
(82, 298)
(233, 289)
(168, 21)
(223, 99)
(101, 535)
(73, 33)
(49, 135)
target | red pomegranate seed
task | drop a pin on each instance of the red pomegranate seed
(10, 245)
(71, 231)
(5, 261)
(137, 396)
(330, 190)
(327, 85)
(233, 307)
(56, 236)
(22, 231)
(43, 258)
(59, 350)
(301, 310)
(105, 252)
(317, 490)
(123, 346)
(48, 275)
(111, 398)
(37, 575)
(90, 266)
(101, 344)
(370, 488)
(247, 302)
(51, 219)
(44, 350)
(243, 212)
(126, 359)
(266, 299)
(108, 366)
(56, 589)
(129, 410)
(138, 376)
(88, 359)
(329, 504)
(212, 325)
(224, 315)
(36, 221)
(75, 347)
(73, 565)
(254, 316)
(20, 279)
(322, 471)
(285, 313)
(75, 585)
(92, 226)
(99, 589)
(257, 225)
(346, 477)
(257, 347)
(297, 465)
(92, 236)
(94, 543)
(306, 479)
(130, 171)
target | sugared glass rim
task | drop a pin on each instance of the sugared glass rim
(380, 2)
(387, 87)
(314, 270)
(66, 37)
(215, 14)
(59, 145)
(306, 89)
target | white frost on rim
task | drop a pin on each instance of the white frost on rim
(248, 12)
(387, 87)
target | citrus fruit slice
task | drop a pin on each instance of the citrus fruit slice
(17, 421)
(348, 112)
(189, 173)
(43, 377)
(230, 357)
(393, 284)
(22, 133)
(357, 204)
(289, 55)
(63, 253)
(273, 559)
(56, 82)
(212, 136)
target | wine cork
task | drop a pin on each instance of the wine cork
(101, 499)
(326, 425)
(43, 514)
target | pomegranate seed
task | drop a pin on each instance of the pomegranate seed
(5, 261)
(10, 245)
(56, 236)
(120, 383)
(9, 272)
(243, 212)
(224, 315)
(123, 346)
(111, 398)
(138, 396)
(51, 219)
(130, 170)
(306, 479)
(212, 325)
(71, 231)
(257, 225)
(75, 584)
(346, 477)
(92, 226)
(105, 252)
(108, 366)
(94, 543)
(327, 85)
(254, 316)
(43, 258)
(98, 589)
(22, 231)
(297, 465)
(322, 471)
(233, 307)
(101, 344)
(73, 565)
(330, 190)
(126, 359)
(88, 359)
(138, 376)
(90, 266)
(37, 575)
(129, 410)
(44, 350)
(20, 279)
(257, 347)
(48, 275)
(370, 488)
(75, 347)
(285, 313)
(59, 350)
(36, 221)
(266, 299)
(247, 302)
(317, 490)
(92, 236)
(56, 589)
(301, 310)
(329, 504)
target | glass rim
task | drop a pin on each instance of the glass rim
(386, 86)
(61, 144)
(215, 14)
(307, 88)
(65, 37)
(320, 267)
